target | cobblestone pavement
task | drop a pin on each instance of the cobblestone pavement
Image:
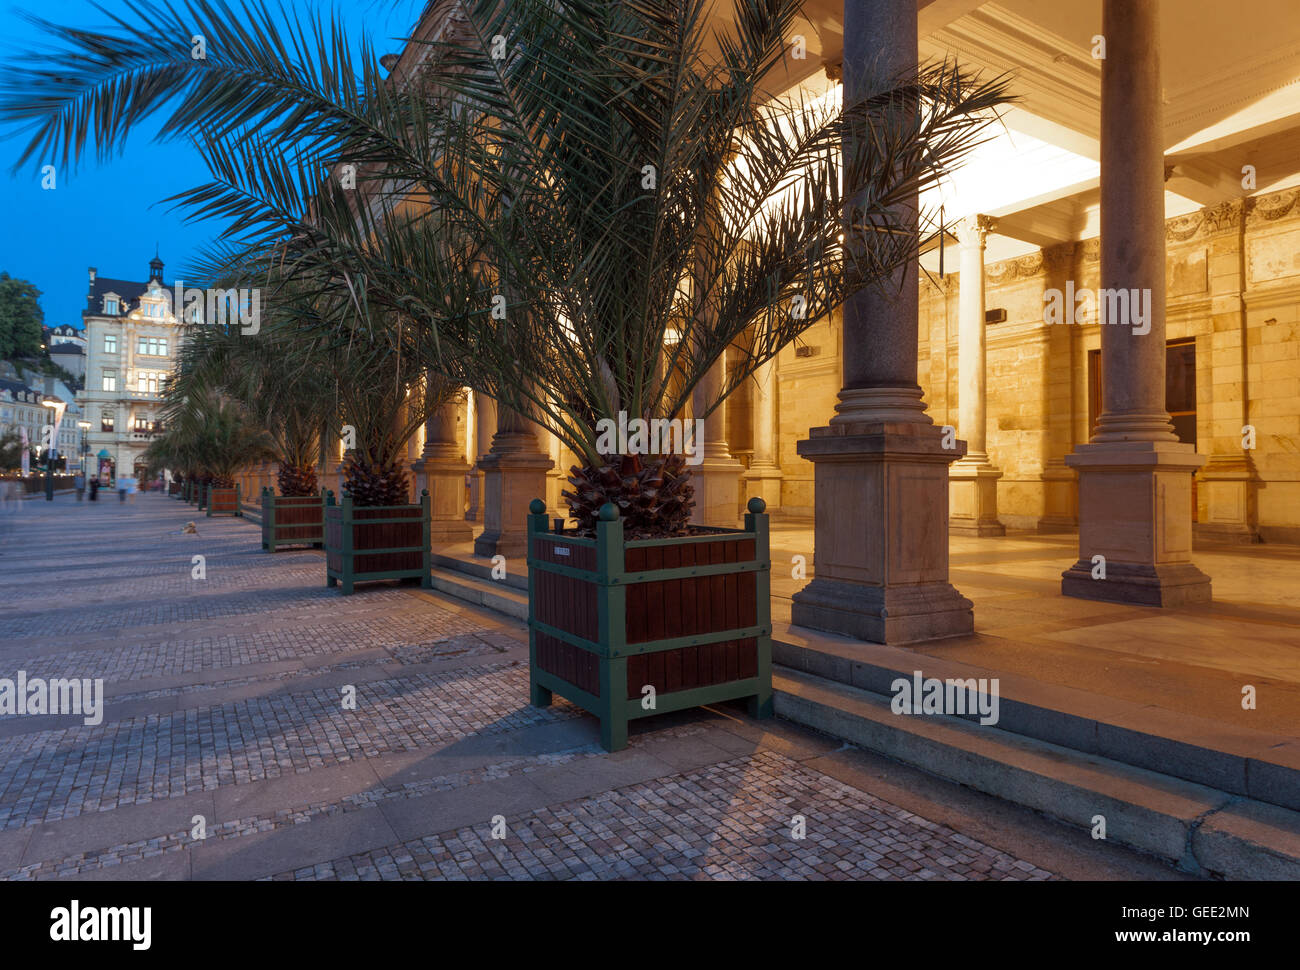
(229, 749)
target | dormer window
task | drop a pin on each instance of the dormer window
(111, 306)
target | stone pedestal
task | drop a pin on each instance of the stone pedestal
(716, 479)
(1135, 510)
(973, 499)
(1229, 485)
(514, 473)
(441, 469)
(881, 536)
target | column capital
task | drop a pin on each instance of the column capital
(973, 230)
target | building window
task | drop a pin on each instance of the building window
(106, 421)
(152, 346)
(1180, 389)
(110, 380)
(110, 343)
(110, 306)
(150, 382)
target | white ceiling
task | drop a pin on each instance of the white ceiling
(1231, 73)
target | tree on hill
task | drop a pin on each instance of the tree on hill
(21, 318)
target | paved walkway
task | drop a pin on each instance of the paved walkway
(227, 750)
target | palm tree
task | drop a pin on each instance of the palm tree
(280, 389)
(579, 222)
(210, 437)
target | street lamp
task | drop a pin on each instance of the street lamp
(57, 406)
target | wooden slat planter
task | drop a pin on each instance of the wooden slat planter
(377, 542)
(608, 617)
(201, 495)
(224, 501)
(292, 520)
(173, 489)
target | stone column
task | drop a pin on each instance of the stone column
(441, 469)
(1135, 477)
(764, 475)
(880, 467)
(973, 481)
(514, 473)
(717, 478)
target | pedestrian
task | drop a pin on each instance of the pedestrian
(79, 482)
(94, 488)
(121, 488)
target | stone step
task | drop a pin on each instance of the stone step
(1198, 828)
(1258, 765)
(480, 568)
(498, 595)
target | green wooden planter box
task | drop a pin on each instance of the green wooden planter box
(292, 520)
(204, 489)
(608, 617)
(224, 501)
(173, 489)
(376, 542)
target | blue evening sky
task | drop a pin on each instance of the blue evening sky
(110, 216)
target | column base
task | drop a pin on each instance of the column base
(717, 492)
(512, 477)
(1135, 520)
(1171, 584)
(881, 538)
(764, 481)
(973, 499)
(445, 480)
(879, 614)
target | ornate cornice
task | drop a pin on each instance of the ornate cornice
(1020, 268)
(1272, 207)
(1209, 221)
